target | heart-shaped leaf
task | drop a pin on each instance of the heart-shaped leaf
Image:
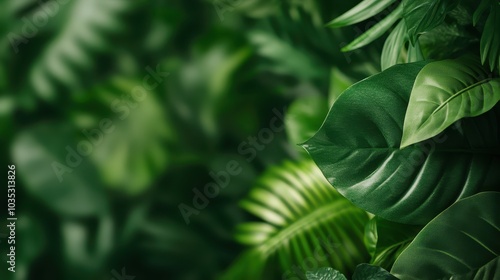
(445, 92)
(357, 149)
(462, 241)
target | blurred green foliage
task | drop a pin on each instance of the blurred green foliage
(74, 90)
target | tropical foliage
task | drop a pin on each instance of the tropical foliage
(365, 134)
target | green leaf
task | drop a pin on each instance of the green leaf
(461, 240)
(366, 271)
(339, 82)
(363, 271)
(376, 31)
(414, 53)
(325, 273)
(303, 220)
(451, 39)
(304, 117)
(357, 149)
(488, 271)
(490, 40)
(362, 11)
(393, 45)
(132, 153)
(424, 15)
(88, 27)
(40, 153)
(285, 57)
(445, 92)
(385, 240)
(484, 5)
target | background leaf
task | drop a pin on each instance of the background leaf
(481, 9)
(91, 25)
(123, 159)
(339, 82)
(362, 11)
(357, 149)
(443, 248)
(376, 31)
(304, 117)
(424, 15)
(490, 39)
(385, 240)
(37, 150)
(393, 45)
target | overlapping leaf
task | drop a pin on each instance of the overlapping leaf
(385, 240)
(423, 15)
(376, 31)
(445, 92)
(490, 39)
(460, 243)
(357, 149)
(393, 45)
(362, 11)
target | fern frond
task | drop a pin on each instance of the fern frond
(87, 29)
(305, 223)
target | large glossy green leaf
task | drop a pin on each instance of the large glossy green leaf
(393, 45)
(385, 240)
(362, 11)
(423, 15)
(462, 241)
(303, 220)
(376, 31)
(357, 149)
(490, 39)
(445, 92)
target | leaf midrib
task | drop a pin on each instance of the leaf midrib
(312, 219)
(460, 92)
